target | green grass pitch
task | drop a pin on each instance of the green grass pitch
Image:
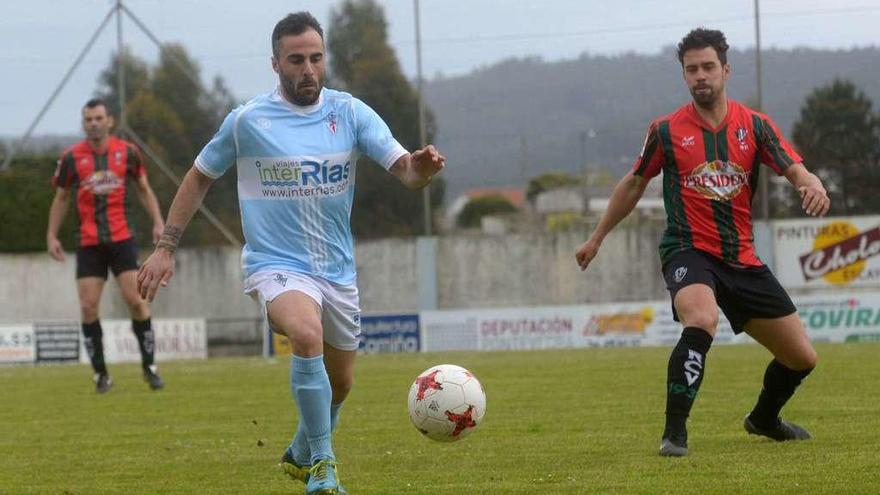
(570, 421)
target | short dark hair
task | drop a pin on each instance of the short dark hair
(97, 102)
(296, 23)
(702, 38)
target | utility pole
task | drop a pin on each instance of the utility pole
(423, 138)
(120, 53)
(763, 178)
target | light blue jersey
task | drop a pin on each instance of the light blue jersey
(296, 172)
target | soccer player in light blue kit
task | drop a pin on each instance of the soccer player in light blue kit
(295, 150)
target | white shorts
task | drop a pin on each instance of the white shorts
(340, 304)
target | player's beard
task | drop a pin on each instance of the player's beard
(705, 99)
(302, 96)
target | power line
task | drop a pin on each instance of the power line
(639, 28)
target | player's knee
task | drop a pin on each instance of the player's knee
(139, 309)
(306, 341)
(805, 360)
(88, 310)
(707, 320)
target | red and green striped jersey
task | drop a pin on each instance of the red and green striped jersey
(100, 183)
(710, 176)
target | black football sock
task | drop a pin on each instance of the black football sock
(143, 330)
(94, 343)
(780, 383)
(684, 376)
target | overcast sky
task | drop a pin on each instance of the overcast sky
(39, 39)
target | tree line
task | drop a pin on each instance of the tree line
(175, 113)
(837, 133)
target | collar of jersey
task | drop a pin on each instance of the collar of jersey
(303, 110)
(96, 151)
(702, 123)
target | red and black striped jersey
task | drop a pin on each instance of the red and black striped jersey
(100, 183)
(710, 176)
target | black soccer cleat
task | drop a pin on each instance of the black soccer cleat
(103, 383)
(673, 448)
(781, 432)
(153, 379)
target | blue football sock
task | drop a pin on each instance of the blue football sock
(299, 447)
(334, 416)
(311, 388)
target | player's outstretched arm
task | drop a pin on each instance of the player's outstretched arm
(815, 200)
(626, 194)
(57, 212)
(159, 267)
(415, 170)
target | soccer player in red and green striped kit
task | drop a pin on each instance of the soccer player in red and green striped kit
(710, 151)
(101, 174)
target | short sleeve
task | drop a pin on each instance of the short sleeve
(135, 166)
(374, 137)
(650, 160)
(65, 171)
(776, 152)
(219, 154)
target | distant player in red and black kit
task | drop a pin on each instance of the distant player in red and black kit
(98, 172)
(709, 152)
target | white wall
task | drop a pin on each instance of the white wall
(206, 284)
(472, 272)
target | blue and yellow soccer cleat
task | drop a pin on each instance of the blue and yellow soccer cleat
(294, 470)
(322, 479)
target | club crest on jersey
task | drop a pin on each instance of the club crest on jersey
(741, 134)
(717, 180)
(331, 122)
(688, 141)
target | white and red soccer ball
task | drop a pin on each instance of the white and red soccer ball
(446, 402)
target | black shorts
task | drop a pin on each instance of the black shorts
(742, 293)
(93, 261)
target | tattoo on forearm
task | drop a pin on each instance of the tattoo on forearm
(170, 238)
(172, 231)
